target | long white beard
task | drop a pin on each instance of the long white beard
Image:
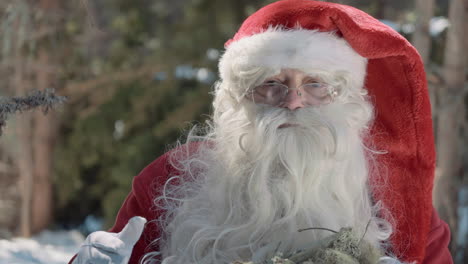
(245, 195)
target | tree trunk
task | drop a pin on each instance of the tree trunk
(45, 130)
(422, 42)
(421, 38)
(36, 131)
(461, 238)
(450, 113)
(25, 156)
(238, 9)
(43, 142)
(382, 11)
(25, 169)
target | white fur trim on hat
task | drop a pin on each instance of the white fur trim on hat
(302, 49)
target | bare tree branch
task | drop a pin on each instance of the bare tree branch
(45, 99)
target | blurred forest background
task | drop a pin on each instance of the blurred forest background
(139, 72)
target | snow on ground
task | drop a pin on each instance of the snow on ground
(48, 247)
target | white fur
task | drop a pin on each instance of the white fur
(307, 50)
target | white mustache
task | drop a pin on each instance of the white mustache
(277, 123)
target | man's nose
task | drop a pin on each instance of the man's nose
(293, 100)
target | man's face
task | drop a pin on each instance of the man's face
(289, 106)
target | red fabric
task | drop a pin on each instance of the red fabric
(403, 127)
(139, 202)
(437, 243)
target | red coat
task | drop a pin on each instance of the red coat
(147, 184)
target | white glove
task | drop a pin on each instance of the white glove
(105, 248)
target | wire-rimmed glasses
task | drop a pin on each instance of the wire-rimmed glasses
(274, 93)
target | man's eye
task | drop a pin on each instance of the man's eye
(271, 82)
(269, 89)
(314, 84)
(264, 89)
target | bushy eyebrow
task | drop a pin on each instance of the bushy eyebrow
(276, 79)
(305, 79)
(309, 78)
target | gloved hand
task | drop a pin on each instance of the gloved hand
(105, 248)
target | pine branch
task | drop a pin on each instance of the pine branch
(344, 247)
(44, 99)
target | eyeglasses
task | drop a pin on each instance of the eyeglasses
(274, 93)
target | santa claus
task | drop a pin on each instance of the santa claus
(321, 120)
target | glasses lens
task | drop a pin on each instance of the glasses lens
(316, 93)
(269, 93)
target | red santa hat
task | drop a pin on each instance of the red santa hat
(336, 37)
